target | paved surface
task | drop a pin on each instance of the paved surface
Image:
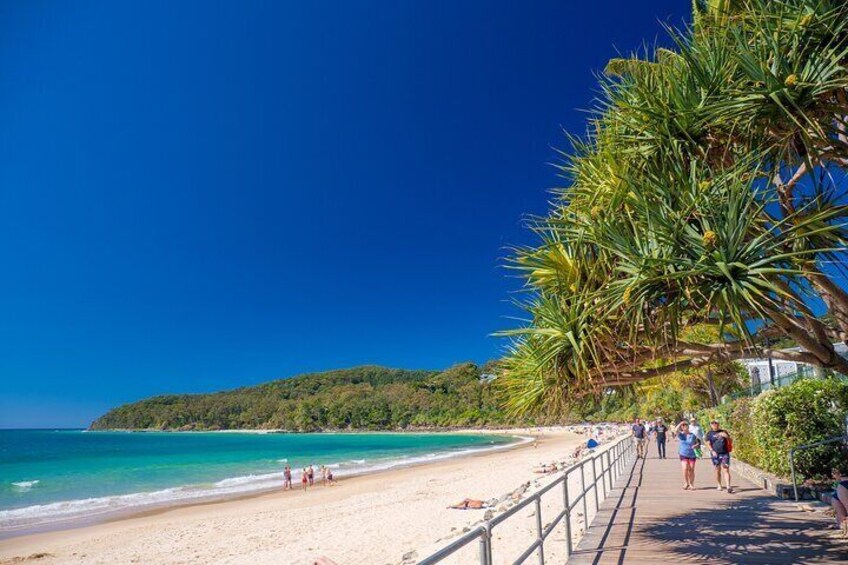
(648, 517)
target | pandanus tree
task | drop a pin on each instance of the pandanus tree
(710, 190)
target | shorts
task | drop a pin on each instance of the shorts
(722, 460)
(691, 460)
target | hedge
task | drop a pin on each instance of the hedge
(766, 427)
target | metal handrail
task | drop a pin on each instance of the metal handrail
(808, 446)
(615, 465)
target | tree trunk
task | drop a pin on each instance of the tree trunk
(711, 383)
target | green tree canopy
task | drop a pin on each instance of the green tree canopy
(368, 397)
(709, 190)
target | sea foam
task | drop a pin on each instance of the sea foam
(25, 485)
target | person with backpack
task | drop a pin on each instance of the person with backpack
(720, 446)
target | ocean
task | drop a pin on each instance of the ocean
(51, 478)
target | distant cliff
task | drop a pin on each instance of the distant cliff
(369, 397)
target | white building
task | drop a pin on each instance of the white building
(759, 371)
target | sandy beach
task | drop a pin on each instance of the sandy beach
(392, 517)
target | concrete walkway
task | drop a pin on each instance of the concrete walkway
(648, 517)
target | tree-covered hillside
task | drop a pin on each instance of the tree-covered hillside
(367, 397)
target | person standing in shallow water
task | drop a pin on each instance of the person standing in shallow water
(687, 442)
(638, 431)
(287, 485)
(660, 431)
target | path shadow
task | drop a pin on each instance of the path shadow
(745, 531)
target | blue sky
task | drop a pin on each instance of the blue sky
(202, 195)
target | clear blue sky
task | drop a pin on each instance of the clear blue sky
(202, 195)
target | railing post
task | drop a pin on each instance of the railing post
(603, 476)
(541, 551)
(486, 546)
(583, 490)
(567, 503)
(595, 482)
(618, 456)
(792, 468)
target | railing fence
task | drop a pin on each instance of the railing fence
(613, 461)
(837, 440)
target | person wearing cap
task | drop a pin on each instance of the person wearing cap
(687, 443)
(718, 441)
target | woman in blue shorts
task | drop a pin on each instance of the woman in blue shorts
(686, 445)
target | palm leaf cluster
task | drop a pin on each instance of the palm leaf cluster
(709, 190)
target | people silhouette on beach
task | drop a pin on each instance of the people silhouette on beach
(287, 484)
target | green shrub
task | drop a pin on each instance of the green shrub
(765, 428)
(804, 412)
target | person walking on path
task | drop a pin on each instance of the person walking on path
(696, 430)
(639, 437)
(687, 442)
(719, 443)
(660, 431)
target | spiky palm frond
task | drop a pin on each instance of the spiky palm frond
(679, 210)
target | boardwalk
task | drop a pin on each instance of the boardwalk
(649, 517)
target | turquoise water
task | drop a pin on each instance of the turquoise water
(58, 475)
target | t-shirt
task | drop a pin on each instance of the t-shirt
(718, 442)
(696, 429)
(661, 430)
(686, 445)
(638, 431)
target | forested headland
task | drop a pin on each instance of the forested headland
(368, 398)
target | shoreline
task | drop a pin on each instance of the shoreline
(260, 431)
(92, 518)
(412, 498)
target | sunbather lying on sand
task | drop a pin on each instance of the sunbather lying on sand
(469, 504)
(546, 468)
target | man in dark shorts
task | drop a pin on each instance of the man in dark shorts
(638, 432)
(660, 431)
(718, 441)
(287, 478)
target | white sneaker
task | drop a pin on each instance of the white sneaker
(719, 487)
